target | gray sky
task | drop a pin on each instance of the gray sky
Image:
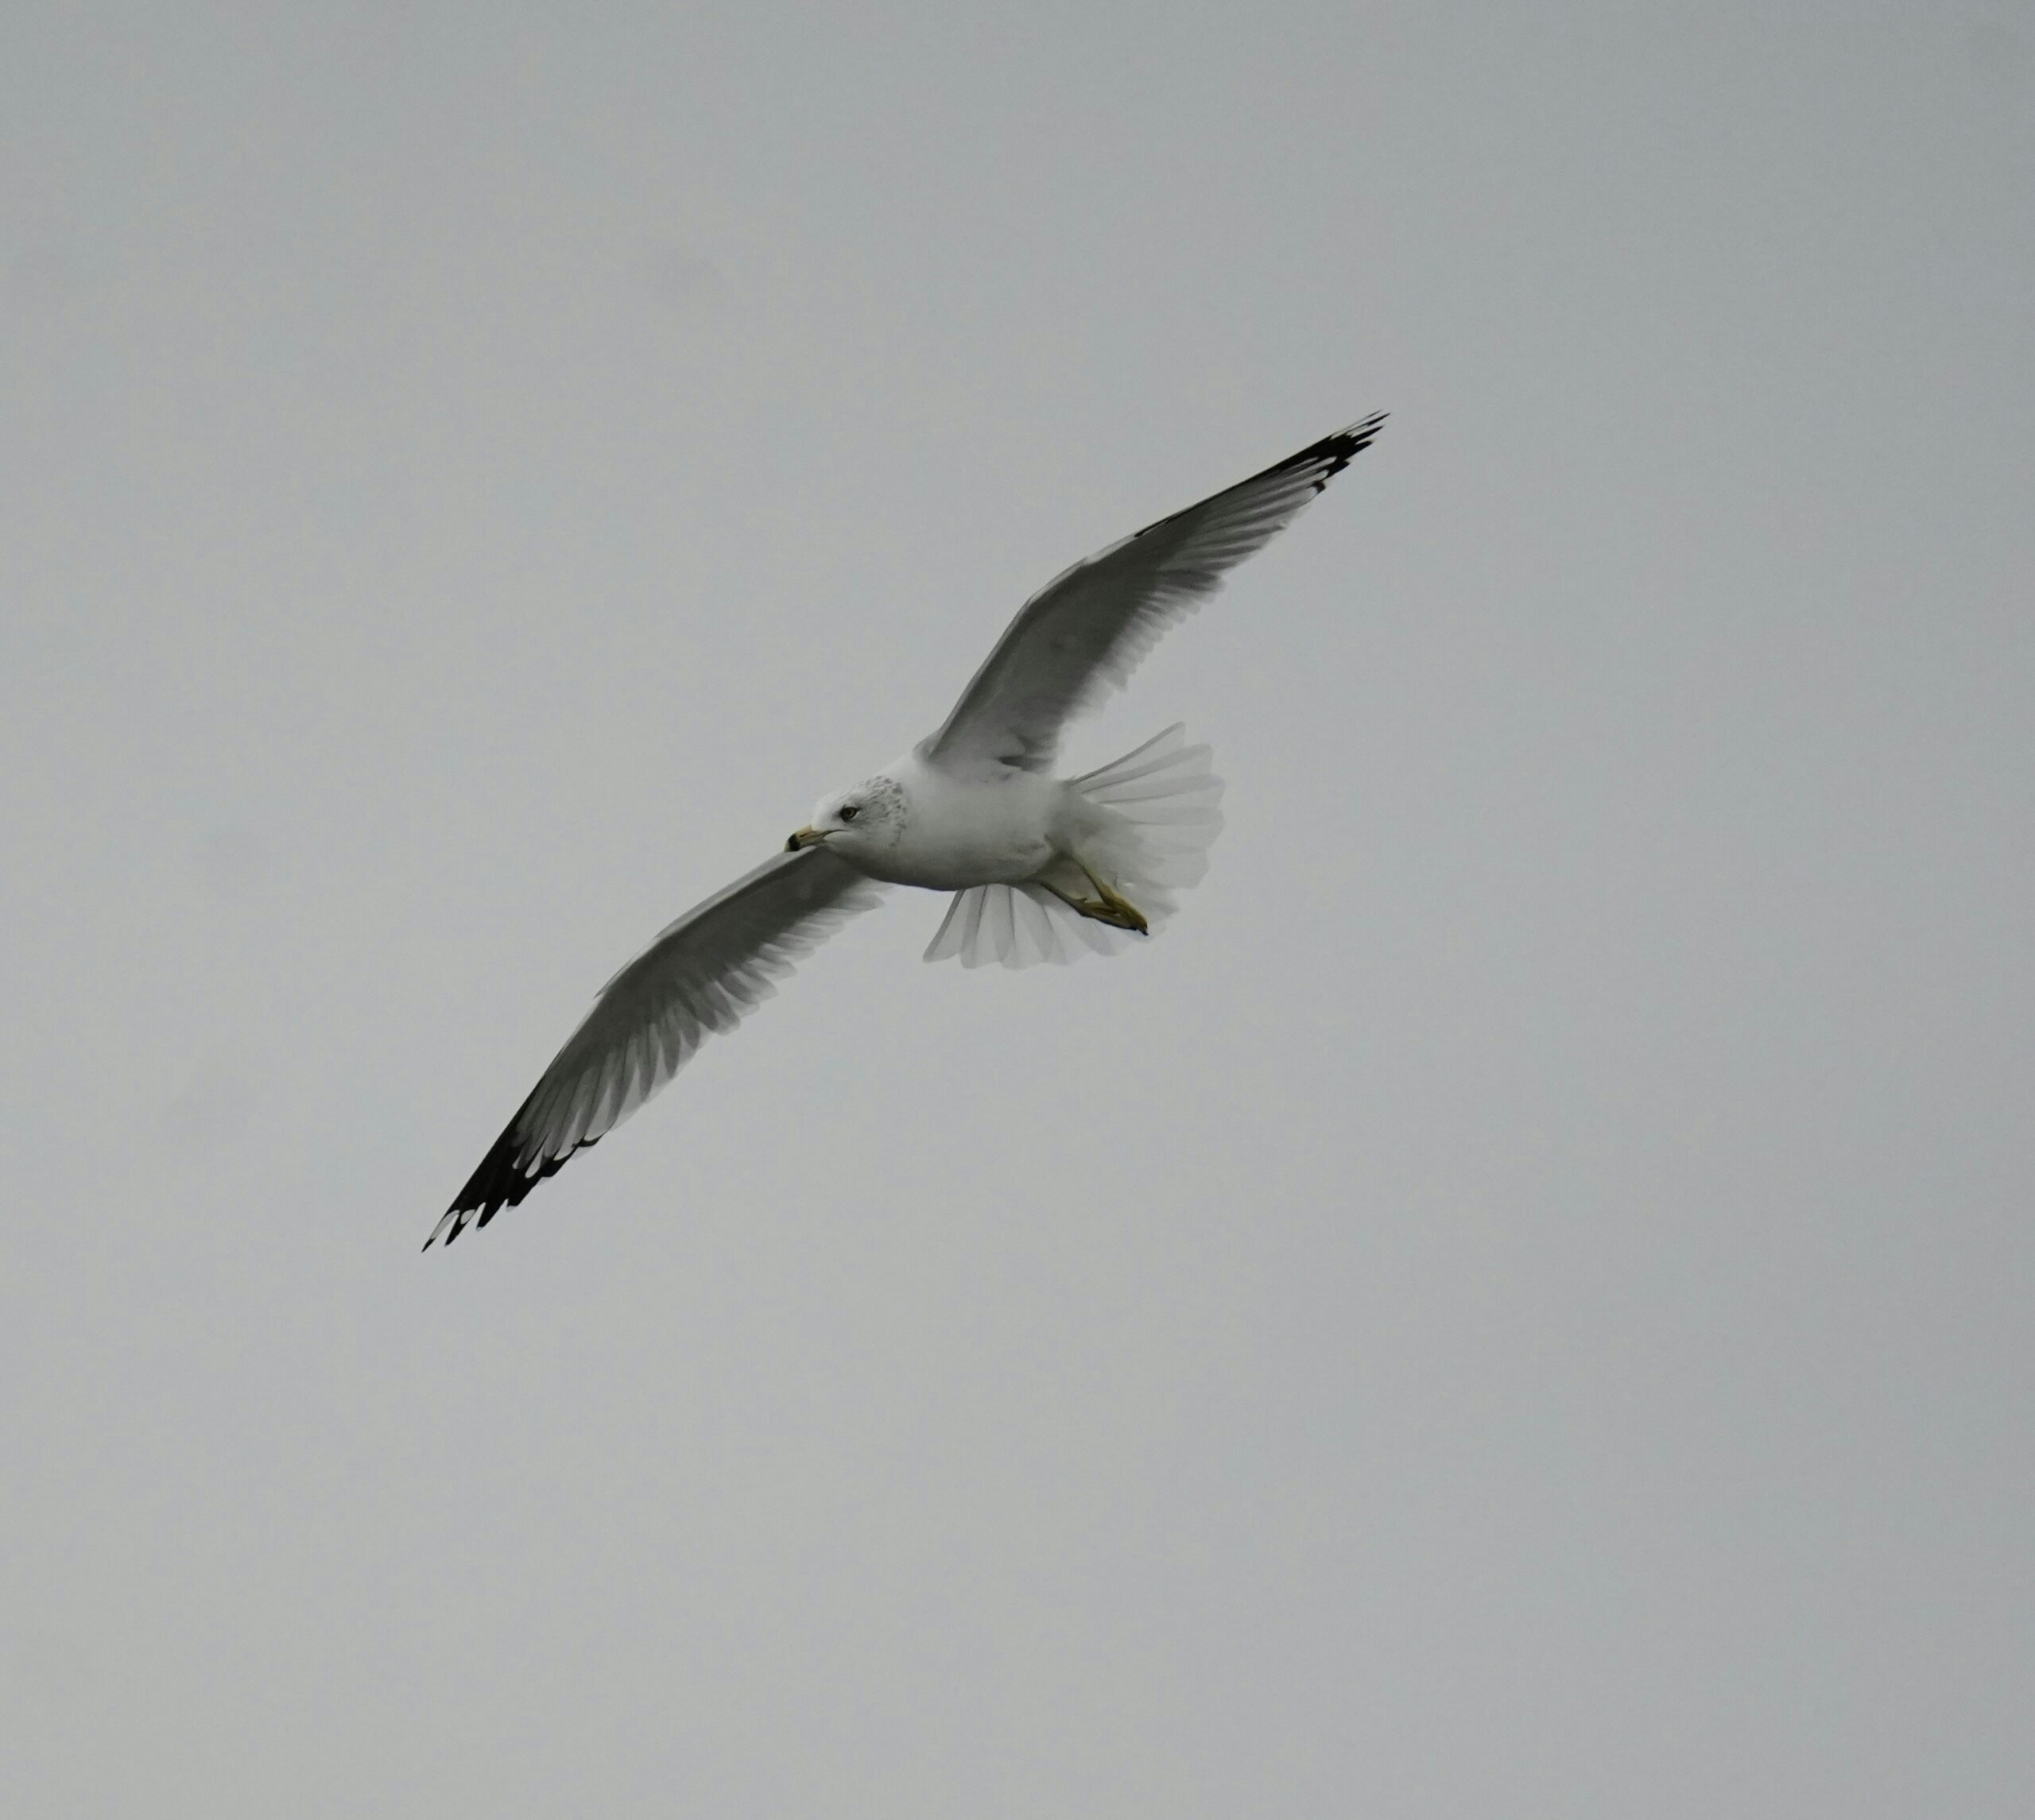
(1517, 1304)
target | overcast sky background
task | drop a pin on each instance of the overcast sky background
(1517, 1304)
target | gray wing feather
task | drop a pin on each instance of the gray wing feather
(1083, 634)
(704, 974)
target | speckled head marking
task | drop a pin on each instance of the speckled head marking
(868, 817)
(882, 800)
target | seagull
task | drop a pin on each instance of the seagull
(1039, 868)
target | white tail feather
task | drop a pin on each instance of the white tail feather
(1018, 925)
(1162, 820)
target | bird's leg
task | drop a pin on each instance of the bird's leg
(1119, 912)
(1105, 906)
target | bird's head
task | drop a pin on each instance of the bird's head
(868, 817)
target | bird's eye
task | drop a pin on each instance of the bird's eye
(850, 811)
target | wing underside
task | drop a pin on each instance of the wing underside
(703, 973)
(1083, 634)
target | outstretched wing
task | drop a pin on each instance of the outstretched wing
(1084, 633)
(704, 974)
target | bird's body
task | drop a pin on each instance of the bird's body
(1040, 867)
(981, 823)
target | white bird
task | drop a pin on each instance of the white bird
(1040, 868)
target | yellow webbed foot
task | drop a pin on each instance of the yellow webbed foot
(1106, 906)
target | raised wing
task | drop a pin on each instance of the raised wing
(705, 973)
(1084, 633)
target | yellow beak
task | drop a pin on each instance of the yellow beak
(805, 837)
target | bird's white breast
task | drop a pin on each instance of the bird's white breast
(983, 825)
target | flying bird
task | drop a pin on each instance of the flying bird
(1039, 867)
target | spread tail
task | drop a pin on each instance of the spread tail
(1160, 820)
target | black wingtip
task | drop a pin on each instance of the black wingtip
(1319, 462)
(503, 1180)
(1336, 452)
